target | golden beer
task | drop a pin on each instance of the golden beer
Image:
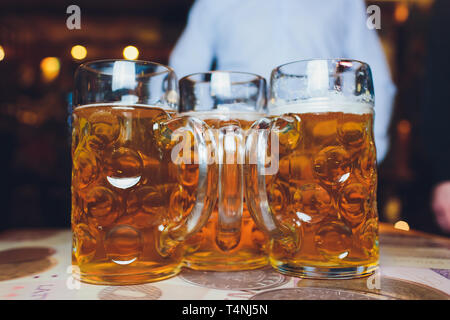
(323, 196)
(239, 245)
(126, 191)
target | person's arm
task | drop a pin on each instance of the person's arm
(363, 44)
(194, 50)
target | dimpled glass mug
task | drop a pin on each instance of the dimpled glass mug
(229, 102)
(133, 202)
(319, 204)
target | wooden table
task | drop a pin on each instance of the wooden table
(35, 264)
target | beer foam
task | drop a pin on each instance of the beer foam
(124, 106)
(322, 107)
(225, 115)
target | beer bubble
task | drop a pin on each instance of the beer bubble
(124, 168)
(333, 240)
(311, 203)
(101, 204)
(123, 244)
(104, 129)
(351, 134)
(85, 168)
(354, 203)
(331, 164)
(85, 243)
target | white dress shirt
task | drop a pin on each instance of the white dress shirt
(257, 35)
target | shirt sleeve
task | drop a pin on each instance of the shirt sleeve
(194, 50)
(362, 43)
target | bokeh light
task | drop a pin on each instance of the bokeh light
(50, 68)
(401, 12)
(78, 52)
(130, 53)
(401, 225)
(2, 53)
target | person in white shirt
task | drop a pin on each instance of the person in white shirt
(258, 35)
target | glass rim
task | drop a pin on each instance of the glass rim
(87, 66)
(278, 68)
(211, 72)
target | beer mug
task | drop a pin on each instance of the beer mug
(229, 102)
(131, 205)
(311, 172)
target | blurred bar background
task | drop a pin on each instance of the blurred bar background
(39, 55)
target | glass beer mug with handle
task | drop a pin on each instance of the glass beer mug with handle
(131, 205)
(229, 102)
(311, 171)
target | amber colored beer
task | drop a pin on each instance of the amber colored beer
(324, 192)
(246, 246)
(125, 191)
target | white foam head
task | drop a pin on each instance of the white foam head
(124, 106)
(224, 115)
(322, 107)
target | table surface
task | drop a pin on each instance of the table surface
(35, 265)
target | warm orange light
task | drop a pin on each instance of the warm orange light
(130, 53)
(404, 127)
(401, 12)
(28, 117)
(78, 52)
(2, 53)
(50, 68)
(401, 225)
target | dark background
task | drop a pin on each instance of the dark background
(35, 159)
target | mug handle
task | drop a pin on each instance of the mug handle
(231, 187)
(258, 165)
(203, 139)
